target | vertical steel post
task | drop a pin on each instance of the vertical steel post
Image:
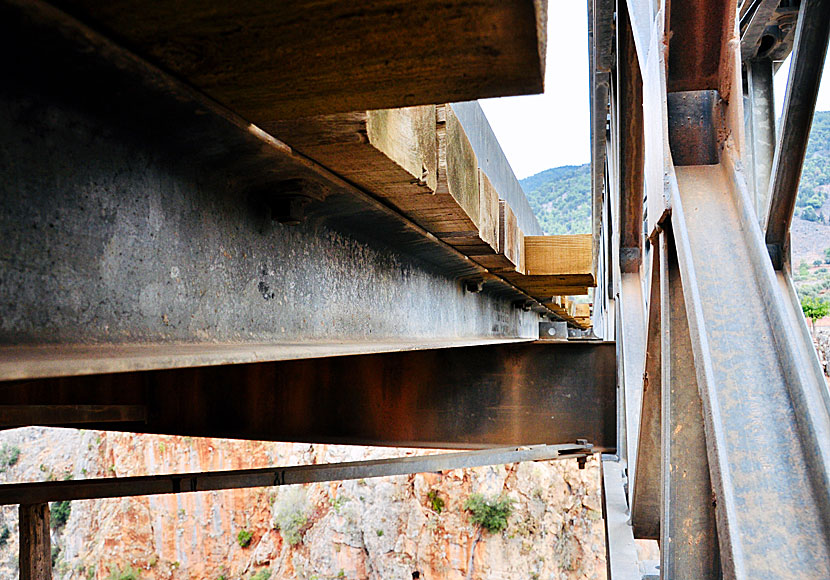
(688, 533)
(760, 114)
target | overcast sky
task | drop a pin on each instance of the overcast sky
(543, 131)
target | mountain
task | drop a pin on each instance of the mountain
(815, 176)
(561, 199)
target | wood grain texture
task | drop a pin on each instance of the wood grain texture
(297, 58)
(35, 559)
(488, 225)
(559, 255)
(511, 238)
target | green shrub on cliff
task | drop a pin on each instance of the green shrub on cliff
(243, 538)
(489, 513)
(291, 514)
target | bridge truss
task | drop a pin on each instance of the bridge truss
(291, 222)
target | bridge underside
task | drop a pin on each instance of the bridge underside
(235, 239)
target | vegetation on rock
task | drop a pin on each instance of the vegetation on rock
(9, 455)
(436, 502)
(489, 513)
(59, 513)
(243, 538)
(290, 514)
(128, 573)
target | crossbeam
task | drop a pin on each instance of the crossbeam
(470, 397)
(47, 491)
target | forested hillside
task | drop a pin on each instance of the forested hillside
(815, 177)
(561, 199)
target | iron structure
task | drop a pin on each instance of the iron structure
(168, 250)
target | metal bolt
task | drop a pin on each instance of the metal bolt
(290, 209)
(474, 286)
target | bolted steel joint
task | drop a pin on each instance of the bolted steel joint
(474, 286)
(289, 209)
(288, 199)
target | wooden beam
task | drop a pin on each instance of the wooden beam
(559, 256)
(24, 415)
(456, 202)
(271, 476)
(276, 60)
(582, 310)
(35, 556)
(509, 254)
(392, 154)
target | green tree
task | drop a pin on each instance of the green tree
(815, 308)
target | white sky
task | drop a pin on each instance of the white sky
(543, 131)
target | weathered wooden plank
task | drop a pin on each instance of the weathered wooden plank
(488, 226)
(456, 202)
(582, 310)
(391, 153)
(276, 60)
(511, 237)
(485, 240)
(35, 560)
(559, 255)
(547, 286)
(509, 251)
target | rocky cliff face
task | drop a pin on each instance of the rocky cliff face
(383, 528)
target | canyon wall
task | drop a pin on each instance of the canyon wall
(381, 528)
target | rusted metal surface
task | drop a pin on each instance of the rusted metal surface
(811, 38)
(471, 397)
(688, 537)
(48, 491)
(23, 415)
(693, 128)
(757, 386)
(767, 28)
(631, 146)
(698, 31)
(600, 37)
